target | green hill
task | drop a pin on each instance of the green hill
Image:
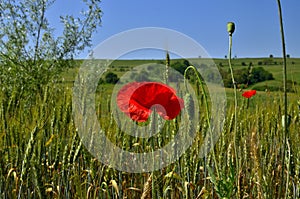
(272, 65)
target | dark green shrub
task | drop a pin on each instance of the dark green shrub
(111, 78)
(246, 76)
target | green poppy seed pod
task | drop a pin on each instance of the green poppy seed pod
(230, 27)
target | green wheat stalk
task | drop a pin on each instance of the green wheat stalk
(153, 119)
(188, 127)
(37, 181)
(206, 107)
(27, 157)
(167, 67)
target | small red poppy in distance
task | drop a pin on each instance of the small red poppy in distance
(136, 99)
(249, 94)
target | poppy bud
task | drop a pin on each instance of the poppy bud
(230, 27)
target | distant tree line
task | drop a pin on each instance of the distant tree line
(247, 76)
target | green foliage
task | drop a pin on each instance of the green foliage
(247, 76)
(258, 75)
(111, 78)
(180, 66)
(225, 186)
(31, 55)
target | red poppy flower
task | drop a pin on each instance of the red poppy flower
(136, 100)
(249, 94)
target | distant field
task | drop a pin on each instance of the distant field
(273, 65)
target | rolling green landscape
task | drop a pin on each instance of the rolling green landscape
(42, 155)
(163, 128)
(272, 65)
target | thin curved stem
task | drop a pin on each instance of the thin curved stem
(206, 107)
(235, 105)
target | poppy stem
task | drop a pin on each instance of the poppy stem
(247, 103)
(235, 106)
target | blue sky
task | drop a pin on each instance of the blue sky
(257, 25)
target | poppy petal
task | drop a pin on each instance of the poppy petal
(249, 94)
(136, 100)
(129, 106)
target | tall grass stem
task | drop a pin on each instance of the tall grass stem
(285, 126)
